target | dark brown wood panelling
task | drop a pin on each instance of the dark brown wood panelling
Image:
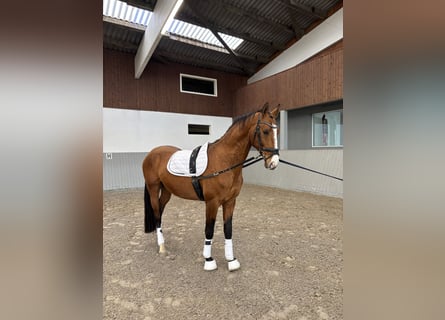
(158, 87)
(317, 80)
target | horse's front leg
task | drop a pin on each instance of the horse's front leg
(211, 211)
(228, 207)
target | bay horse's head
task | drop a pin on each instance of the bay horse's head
(264, 135)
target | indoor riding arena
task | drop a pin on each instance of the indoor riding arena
(258, 87)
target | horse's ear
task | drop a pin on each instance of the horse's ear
(265, 108)
(275, 111)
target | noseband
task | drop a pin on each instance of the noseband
(261, 149)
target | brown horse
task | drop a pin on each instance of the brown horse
(219, 187)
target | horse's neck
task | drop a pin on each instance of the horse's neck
(237, 144)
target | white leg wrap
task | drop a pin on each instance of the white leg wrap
(207, 252)
(228, 249)
(160, 236)
(233, 264)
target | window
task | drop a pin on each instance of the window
(199, 129)
(327, 129)
(198, 85)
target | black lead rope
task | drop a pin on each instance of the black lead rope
(252, 160)
(301, 167)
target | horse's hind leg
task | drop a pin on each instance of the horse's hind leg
(158, 207)
(163, 199)
(228, 207)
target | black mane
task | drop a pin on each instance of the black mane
(238, 121)
(241, 120)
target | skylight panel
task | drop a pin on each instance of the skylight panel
(121, 10)
(194, 32)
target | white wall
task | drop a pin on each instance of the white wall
(133, 133)
(325, 34)
(140, 131)
(329, 161)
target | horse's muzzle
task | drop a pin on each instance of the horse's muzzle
(273, 162)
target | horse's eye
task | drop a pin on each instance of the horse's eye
(266, 132)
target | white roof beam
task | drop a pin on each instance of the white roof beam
(318, 39)
(153, 34)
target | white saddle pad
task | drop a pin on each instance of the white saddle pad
(179, 162)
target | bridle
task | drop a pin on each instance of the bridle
(261, 149)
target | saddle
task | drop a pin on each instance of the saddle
(188, 163)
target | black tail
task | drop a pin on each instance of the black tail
(150, 223)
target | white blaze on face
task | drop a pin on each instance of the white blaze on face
(275, 158)
(275, 139)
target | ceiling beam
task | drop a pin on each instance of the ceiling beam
(309, 10)
(237, 59)
(135, 27)
(206, 23)
(252, 15)
(242, 35)
(181, 58)
(298, 30)
(117, 43)
(196, 43)
(304, 9)
(152, 34)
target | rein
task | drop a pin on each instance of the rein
(245, 163)
(304, 168)
(251, 160)
(197, 185)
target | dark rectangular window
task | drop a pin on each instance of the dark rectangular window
(199, 129)
(198, 85)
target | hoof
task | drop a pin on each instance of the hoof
(210, 265)
(162, 248)
(233, 265)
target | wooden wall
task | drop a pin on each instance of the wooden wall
(158, 87)
(317, 80)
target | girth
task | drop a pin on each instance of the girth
(198, 189)
(195, 181)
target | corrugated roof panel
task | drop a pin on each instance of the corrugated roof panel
(121, 10)
(254, 49)
(198, 56)
(231, 16)
(319, 4)
(121, 38)
(271, 22)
